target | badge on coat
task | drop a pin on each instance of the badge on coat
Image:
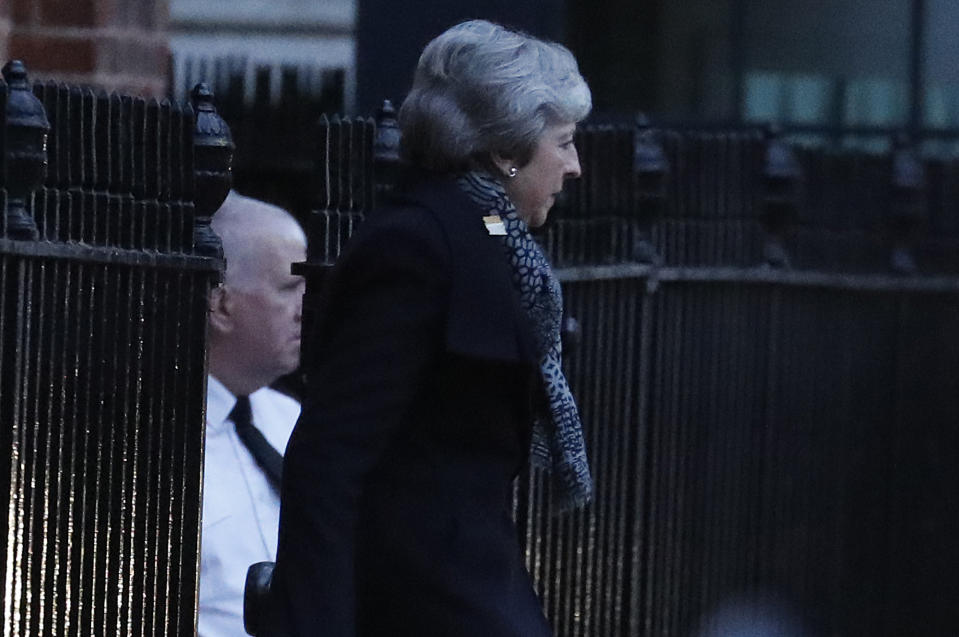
(494, 225)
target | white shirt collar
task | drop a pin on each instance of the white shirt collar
(219, 402)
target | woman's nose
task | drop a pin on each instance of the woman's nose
(573, 169)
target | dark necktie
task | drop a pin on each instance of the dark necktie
(269, 460)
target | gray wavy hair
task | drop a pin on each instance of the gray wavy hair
(481, 89)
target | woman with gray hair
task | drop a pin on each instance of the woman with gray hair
(437, 373)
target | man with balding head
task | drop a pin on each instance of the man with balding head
(254, 338)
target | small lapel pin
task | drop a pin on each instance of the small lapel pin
(494, 225)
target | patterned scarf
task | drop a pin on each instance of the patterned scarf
(557, 432)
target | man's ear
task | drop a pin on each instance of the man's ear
(221, 317)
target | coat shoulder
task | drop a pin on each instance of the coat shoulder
(485, 319)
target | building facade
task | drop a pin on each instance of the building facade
(115, 44)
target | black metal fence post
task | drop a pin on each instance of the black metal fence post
(25, 151)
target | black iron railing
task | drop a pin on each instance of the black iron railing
(763, 352)
(105, 266)
(272, 110)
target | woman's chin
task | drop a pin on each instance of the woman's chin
(537, 219)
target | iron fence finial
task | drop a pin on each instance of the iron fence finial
(386, 147)
(650, 169)
(906, 203)
(782, 178)
(25, 150)
(213, 168)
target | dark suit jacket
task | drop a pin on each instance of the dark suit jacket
(398, 477)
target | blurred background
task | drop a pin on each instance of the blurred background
(832, 72)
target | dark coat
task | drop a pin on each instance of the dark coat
(398, 478)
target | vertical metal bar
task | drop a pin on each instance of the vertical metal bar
(604, 430)
(46, 430)
(194, 423)
(61, 130)
(628, 474)
(72, 425)
(60, 513)
(362, 162)
(323, 163)
(139, 426)
(194, 294)
(151, 174)
(590, 542)
(671, 424)
(685, 444)
(643, 547)
(144, 230)
(171, 558)
(335, 163)
(88, 449)
(47, 94)
(114, 325)
(162, 460)
(126, 154)
(86, 152)
(173, 118)
(99, 428)
(14, 281)
(124, 304)
(146, 595)
(369, 193)
(27, 459)
(30, 463)
(353, 150)
(640, 494)
(8, 395)
(66, 449)
(181, 152)
(102, 151)
(619, 411)
(709, 522)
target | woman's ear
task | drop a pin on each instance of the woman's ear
(505, 165)
(220, 315)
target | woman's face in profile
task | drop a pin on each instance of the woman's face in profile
(534, 188)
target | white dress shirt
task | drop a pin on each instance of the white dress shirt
(241, 510)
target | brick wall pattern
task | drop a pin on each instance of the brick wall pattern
(119, 45)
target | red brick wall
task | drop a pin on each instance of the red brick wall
(116, 44)
(4, 28)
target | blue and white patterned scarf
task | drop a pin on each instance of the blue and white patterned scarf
(557, 444)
